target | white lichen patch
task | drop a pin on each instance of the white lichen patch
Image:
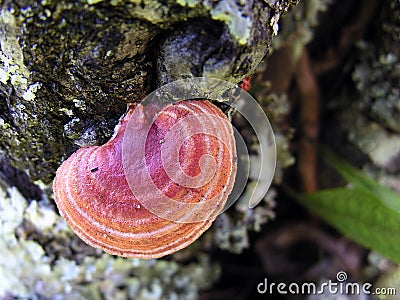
(258, 216)
(231, 235)
(381, 146)
(275, 24)
(12, 68)
(377, 108)
(239, 25)
(16, 255)
(30, 267)
(43, 217)
(27, 271)
(12, 206)
(26, 260)
(29, 94)
(227, 11)
(66, 111)
(80, 104)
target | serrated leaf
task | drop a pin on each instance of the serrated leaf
(360, 215)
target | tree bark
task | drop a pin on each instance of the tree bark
(68, 68)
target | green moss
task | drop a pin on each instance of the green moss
(91, 2)
(189, 3)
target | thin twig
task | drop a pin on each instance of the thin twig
(309, 122)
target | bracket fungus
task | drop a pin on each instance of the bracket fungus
(187, 150)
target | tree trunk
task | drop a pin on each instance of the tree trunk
(68, 68)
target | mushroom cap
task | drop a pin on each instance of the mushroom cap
(98, 197)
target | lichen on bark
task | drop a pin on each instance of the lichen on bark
(377, 104)
(68, 68)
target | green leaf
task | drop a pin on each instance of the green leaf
(359, 180)
(365, 211)
(360, 215)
